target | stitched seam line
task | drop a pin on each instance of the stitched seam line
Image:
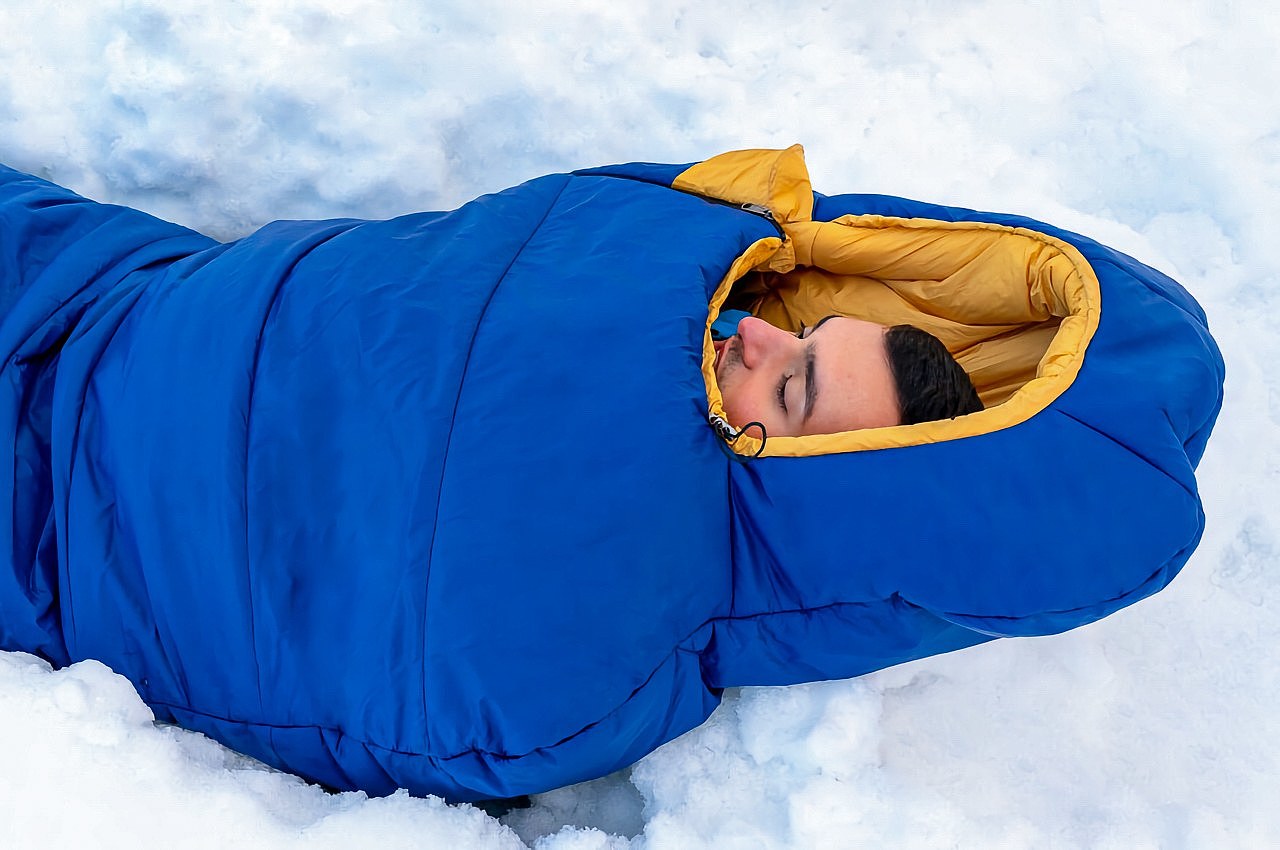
(107, 280)
(471, 752)
(1182, 554)
(248, 436)
(448, 442)
(1147, 461)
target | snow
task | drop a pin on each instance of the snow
(1154, 127)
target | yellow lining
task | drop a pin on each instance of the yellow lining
(1017, 307)
(775, 179)
(759, 252)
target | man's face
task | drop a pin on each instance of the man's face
(836, 378)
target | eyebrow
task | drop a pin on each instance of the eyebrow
(810, 385)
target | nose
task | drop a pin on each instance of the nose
(761, 341)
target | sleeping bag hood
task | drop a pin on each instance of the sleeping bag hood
(449, 502)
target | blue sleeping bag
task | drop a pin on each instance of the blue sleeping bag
(436, 503)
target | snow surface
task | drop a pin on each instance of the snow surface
(1153, 126)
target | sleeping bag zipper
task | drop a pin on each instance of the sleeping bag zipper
(765, 213)
(755, 209)
(719, 424)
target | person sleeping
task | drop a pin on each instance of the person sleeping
(371, 502)
(842, 374)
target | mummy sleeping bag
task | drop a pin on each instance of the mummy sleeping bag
(449, 503)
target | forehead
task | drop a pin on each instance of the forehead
(849, 328)
(853, 377)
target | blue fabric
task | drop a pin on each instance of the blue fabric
(726, 324)
(377, 503)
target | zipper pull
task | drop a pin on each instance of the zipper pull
(765, 213)
(722, 427)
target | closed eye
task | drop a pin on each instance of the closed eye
(782, 393)
(810, 385)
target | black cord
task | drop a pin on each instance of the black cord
(730, 438)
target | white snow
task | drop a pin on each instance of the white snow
(1153, 126)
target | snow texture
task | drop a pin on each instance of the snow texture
(1152, 126)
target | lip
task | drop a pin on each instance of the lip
(721, 346)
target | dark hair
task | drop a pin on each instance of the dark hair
(931, 384)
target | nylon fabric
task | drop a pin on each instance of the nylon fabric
(437, 502)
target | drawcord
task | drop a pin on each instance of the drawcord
(730, 436)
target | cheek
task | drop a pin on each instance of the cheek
(742, 401)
